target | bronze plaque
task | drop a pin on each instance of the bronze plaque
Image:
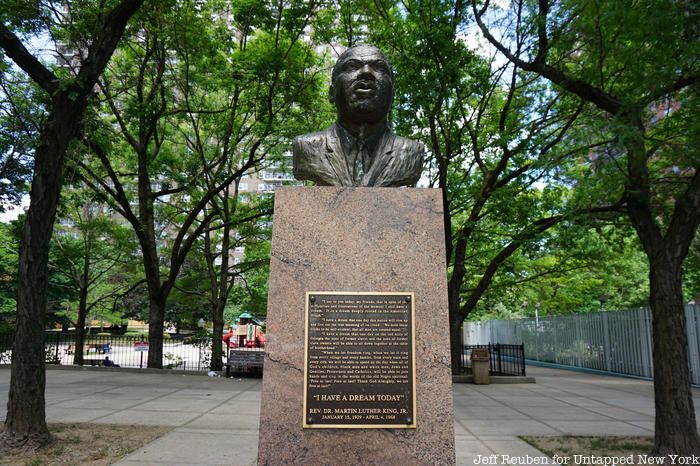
(359, 367)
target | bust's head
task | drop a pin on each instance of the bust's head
(361, 85)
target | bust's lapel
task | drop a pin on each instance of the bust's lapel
(382, 159)
(336, 159)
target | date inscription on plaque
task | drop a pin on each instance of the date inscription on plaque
(359, 360)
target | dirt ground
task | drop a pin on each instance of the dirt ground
(579, 449)
(84, 444)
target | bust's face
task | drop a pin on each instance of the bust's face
(362, 88)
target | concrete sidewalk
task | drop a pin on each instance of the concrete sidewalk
(215, 420)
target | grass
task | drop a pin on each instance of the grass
(83, 444)
(568, 446)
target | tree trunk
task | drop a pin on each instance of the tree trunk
(216, 343)
(456, 323)
(456, 350)
(151, 269)
(82, 311)
(675, 423)
(80, 329)
(675, 426)
(156, 306)
(220, 290)
(26, 418)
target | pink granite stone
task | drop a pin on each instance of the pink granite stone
(361, 240)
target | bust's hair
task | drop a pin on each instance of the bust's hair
(350, 50)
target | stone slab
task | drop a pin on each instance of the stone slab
(58, 414)
(148, 418)
(356, 240)
(514, 447)
(485, 428)
(601, 428)
(175, 448)
(225, 421)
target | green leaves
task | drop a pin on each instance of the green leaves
(21, 110)
(203, 91)
(25, 16)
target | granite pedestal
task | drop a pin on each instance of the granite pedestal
(356, 240)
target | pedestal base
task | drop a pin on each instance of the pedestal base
(356, 240)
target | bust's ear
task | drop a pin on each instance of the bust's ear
(331, 94)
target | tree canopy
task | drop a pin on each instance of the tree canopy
(563, 135)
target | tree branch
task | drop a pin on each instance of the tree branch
(14, 49)
(106, 37)
(529, 232)
(582, 89)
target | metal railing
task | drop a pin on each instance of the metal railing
(504, 359)
(611, 341)
(180, 353)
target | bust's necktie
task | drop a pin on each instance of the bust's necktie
(361, 163)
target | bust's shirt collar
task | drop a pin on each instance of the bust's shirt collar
(351, 144)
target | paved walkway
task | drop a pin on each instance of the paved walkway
(215, 420)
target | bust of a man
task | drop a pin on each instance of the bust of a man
(359, 149)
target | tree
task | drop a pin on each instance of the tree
(635, 64)
(20, 106)
(246, 225)
(68, 99)
(568, 270)
(494, 134)
(194, 108)
(250, 290)
(9, 247)
(691, 274)
(211, 273)
(86, 252)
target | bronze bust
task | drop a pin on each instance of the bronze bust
(359, 149)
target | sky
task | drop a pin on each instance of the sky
(42, 47)
(13, 213)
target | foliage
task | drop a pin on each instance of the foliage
(90, 257)
(190, 109)
(501, 147)
(634, 67)
(68, 96)
(9, 247)
(250, 288)
(573, 267)
(21, 107)
(691, 273)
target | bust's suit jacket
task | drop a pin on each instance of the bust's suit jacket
(320, 157)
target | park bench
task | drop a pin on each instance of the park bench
(244, 360)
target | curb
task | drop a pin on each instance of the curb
(495, 379)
